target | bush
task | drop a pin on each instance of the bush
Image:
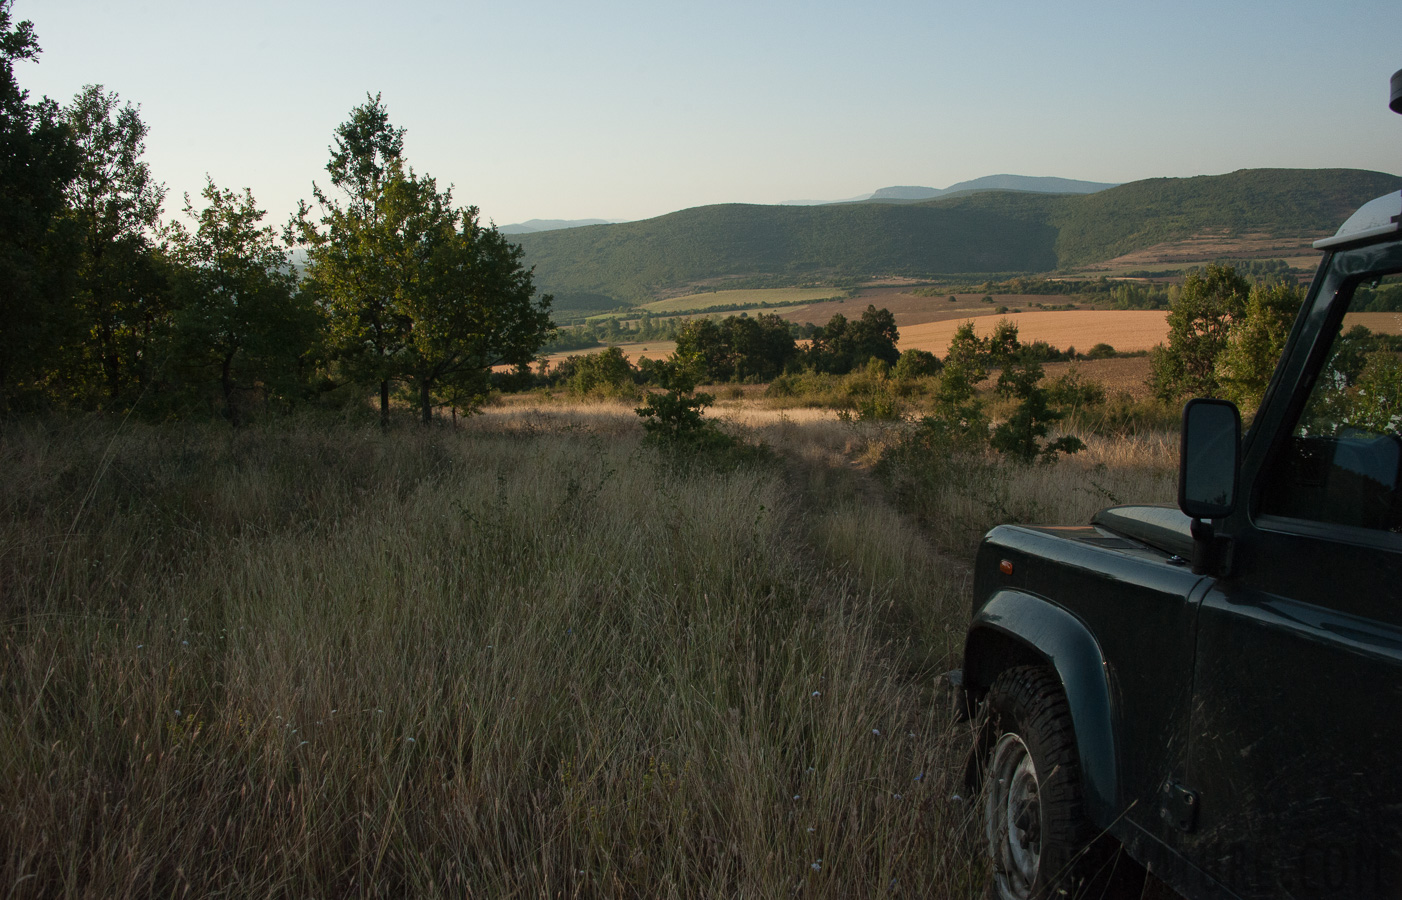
(673, 421)
(917, 364)
(606, 374)
(1073, 391)
(1123, 416)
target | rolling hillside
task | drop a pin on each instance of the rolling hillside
(605, 266)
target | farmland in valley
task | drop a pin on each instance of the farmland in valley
(1125, 330)
(764, 296)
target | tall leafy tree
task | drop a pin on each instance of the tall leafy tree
(348, 257)
(1199, 323)
(468, 300)
(243, 324)
(116, 204)
(739, 348)
(414, 288)
(1255, 343)
(37, 160)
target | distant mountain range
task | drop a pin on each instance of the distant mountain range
(893, 194)
(908, 193)
(965, 233)
(994, 183)
(531, 226)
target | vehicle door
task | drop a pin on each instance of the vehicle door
(1294, 780)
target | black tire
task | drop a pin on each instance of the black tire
(1034, 823)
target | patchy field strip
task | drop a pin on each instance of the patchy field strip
(634, 351)
(1377, 322)
(1125, 330)
(726, 298)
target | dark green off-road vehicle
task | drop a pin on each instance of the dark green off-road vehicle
(1215, 691)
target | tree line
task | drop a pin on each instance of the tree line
(752, 350)
(103, 306)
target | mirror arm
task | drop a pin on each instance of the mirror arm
(1212, 552)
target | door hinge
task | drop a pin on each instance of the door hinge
(1179, 806)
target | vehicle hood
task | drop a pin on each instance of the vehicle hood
(1161, 527)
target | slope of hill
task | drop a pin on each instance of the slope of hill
(1298, 202)
(636, 261)
(604, 266)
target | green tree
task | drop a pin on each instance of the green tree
(959, 414)
(842, 346)
(702, 348)
(965, 367)
(740, 348)
(348, 261)
(1199, 323)
(116, 202)
(243, 323)
(37, 161)
(415, 288)
(874, 336)
(468, 302)
(1255, 343)
(1020, 436)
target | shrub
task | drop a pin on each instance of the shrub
(917, 364)
(598, 374)
(673, 421)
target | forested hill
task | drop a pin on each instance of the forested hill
(1279, 202)
(604, 266)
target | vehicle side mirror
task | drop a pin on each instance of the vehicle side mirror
(1209, 460)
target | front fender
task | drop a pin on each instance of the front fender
(1016, 628)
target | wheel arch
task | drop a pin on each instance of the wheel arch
(1015, 628)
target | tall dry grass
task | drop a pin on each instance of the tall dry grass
(527, 658)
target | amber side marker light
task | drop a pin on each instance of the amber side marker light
(1006, 567)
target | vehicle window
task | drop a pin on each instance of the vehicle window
(1343, 463)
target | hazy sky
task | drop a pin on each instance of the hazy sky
(625, 110)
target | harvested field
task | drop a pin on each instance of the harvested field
(1377, 322)
(634, 352)
(1121, 375)
(1210, 247)
(730, 298)
(1125, 330)
(913, 309)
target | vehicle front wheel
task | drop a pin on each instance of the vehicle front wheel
(1033, 815)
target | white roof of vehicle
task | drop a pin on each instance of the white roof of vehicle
(1374, 218)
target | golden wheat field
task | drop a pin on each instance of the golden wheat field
(1125, 330)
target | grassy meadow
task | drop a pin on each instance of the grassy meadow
(526, 657)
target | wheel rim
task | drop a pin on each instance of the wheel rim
(1013, 818)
